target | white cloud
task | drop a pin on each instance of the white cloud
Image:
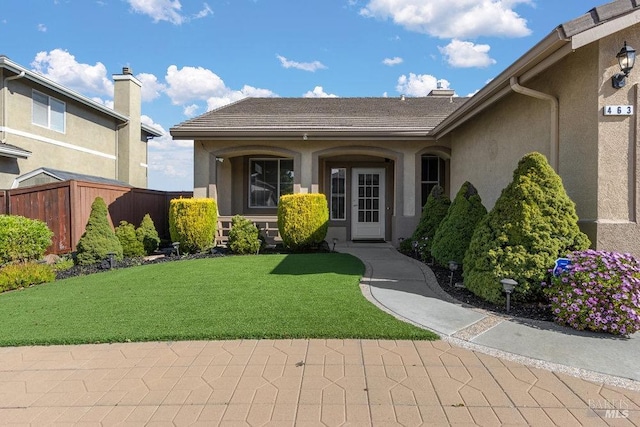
(419, 85)
(318, 92)
(151, 87)
(42, 28)
(392, 61)
(452, 18)
(106, 102)
(462, 54)
(191, 110)
(237, 95)
(166, 10)
(62, 67)
(304, 66)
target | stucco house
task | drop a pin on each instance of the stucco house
(45, 126)
(377, 158)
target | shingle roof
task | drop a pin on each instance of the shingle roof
(67, 176)
(254, 116)
(8, 150)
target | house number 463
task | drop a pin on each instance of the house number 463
(618, 110)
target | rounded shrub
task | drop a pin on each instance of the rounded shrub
(244, 236)
(303, 220)
(22, 275)
(452, 237)
(98, 239)
(598, 291)
(22, 239)
(193, 223)
(433, 212)
(148, 235)
(532, 224)
(131, 246)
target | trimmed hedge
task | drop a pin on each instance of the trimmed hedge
(22, 239)
(433, 212)
(244, 236)
(98, 239)
(532, 224)
(303, 220)
(193, 223)
(453, 236)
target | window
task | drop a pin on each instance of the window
(338, 194)
(432, 175)
(269, 179)
(48, 112)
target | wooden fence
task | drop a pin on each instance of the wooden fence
(65, 207)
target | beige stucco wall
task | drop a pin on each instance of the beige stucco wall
(87, 146)
(225, 181)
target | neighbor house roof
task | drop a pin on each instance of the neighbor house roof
(8, 150)
(597, 23)
(68, 176)
(326, 117)
(17, 69)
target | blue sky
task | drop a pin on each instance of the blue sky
(193, 56)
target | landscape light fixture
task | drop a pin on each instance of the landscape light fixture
(626, 60)
(453, 266)
(508, 285)
(335, 240)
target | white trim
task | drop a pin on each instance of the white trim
(55, 142)
(144, 165)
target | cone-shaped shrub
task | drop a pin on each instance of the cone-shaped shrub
(22, 239)
(131, 246)
(193, 223)
(303, 220)
(244, 236)
(433, 212)
(456, 229)
(148, 235)
(531, 225)
(98, 239)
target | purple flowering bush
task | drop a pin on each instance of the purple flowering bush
(598, 291)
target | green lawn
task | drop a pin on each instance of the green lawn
(266, 296)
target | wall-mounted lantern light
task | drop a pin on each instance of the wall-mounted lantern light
(626, 60)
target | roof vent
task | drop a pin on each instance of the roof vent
(402, 98)
(442, 93)
(126, 71)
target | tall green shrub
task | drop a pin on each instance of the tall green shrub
(244, 236)
(531, 225)
(193, 223)
(22, 239)
(452, 237)
(98, 239)
(131, 246)
(148, 235)
(433, 212)
(303, 220)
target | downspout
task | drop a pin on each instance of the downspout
(4, 103)
(554, 149)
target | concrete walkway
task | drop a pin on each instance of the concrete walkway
(455, 381)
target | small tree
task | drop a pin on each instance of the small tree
(452, 238)
(433, 212)
(303, 220)
(193, 223)
(531, 225)
(99, 238)
(244, 236)
(148, 235)
(131, 246)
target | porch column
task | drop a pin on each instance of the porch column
(409, 184)
(204, 173)
(308, 173)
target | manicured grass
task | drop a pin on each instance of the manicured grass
(266, 296)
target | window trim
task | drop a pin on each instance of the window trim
(344, 193)
(49, 111)
(440, 170)
(277, 159)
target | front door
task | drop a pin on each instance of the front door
(368, 205)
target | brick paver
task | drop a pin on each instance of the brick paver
(295, 382)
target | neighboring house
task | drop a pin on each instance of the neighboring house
(377, 158)
(45, 125)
